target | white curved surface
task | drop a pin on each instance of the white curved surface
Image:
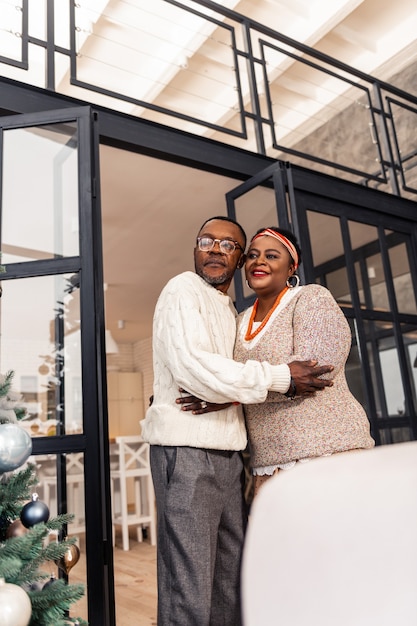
(334, 542)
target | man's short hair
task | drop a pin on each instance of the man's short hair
(226, 219)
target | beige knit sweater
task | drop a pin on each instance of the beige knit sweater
(308, 324)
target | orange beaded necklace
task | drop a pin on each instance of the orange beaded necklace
(249, 334)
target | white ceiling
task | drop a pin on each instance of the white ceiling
(151, 212)
(153, 209)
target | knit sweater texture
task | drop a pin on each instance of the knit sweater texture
(308, 324)
(194, 332)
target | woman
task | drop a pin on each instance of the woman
(289, 322)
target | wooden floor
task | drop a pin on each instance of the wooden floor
(135, 584)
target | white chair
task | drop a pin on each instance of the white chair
(75, 492)
(132, 466)
(333, 542)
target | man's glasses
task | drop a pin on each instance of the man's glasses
(227, 246)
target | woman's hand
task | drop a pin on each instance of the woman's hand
(198, 406)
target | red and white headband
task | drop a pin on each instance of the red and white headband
(285, 242)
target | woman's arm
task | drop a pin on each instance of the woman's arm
(320, 329)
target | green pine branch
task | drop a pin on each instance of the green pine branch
(10, 567)
(50, 604)
(11, 407)
(23, 555)
(32, 550)
(15, 491)
(6, 383)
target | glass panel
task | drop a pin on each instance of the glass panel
(328, 255)
(373, 363)
(378, 289)
(160, 53)
(403, 285)
(410, 341)
(359, 269)
(48, 468)
(391, 376)
(370, 287)
(385, 367)
(338, 283)
(11, 25)
(41, 344)
(37, 18)
(353, 369)
(325, 237)
(255, 209)
(62, 32)
(368, 266)
(404, 119)
(395, 435)
(316, 113)
(40, 196)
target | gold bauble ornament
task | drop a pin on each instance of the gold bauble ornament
(16, 529)
(70, 558)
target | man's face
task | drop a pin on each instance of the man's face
(216, 267)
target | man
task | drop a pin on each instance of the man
(196, 458)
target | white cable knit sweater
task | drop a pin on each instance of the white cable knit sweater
(194, 332)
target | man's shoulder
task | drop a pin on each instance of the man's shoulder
(185, 278)
(181, 285)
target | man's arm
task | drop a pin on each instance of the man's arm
(196, 351)
(193, 339)
(304, 375)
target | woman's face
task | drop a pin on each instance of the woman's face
(268, 266)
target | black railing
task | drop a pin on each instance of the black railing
(340, 121)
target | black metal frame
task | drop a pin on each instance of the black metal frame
(381, 178)
(401, 158)
(394, 161)
(113, 94)
(94, 442)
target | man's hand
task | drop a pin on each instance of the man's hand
(198, 406)
(306, 376)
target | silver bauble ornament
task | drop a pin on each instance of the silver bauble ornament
(15, 447)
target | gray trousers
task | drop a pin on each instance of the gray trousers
(202, 520)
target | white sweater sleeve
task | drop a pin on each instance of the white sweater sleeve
(193, 338)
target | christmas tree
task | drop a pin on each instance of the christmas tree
(29, 595)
